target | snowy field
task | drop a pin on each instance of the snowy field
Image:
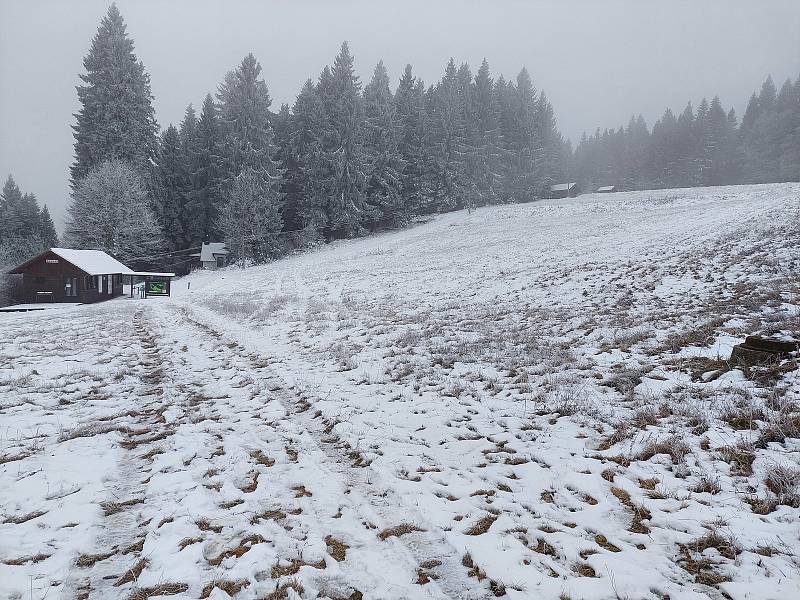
(528, 401)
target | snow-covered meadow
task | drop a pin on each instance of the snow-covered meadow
(528, 401)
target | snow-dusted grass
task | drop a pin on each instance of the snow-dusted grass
(529, 401)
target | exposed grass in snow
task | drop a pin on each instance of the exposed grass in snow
(528, 401)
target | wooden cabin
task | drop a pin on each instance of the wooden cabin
(565, 190)
(66, 275)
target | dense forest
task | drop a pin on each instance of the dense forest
(699, 147)
(347, 159)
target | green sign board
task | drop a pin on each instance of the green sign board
(157, 288)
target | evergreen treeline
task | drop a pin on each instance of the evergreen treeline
(700, 147)
(25, 230)
(21, 219)
(346, 159)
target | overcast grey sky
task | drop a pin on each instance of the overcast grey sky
(598, 61)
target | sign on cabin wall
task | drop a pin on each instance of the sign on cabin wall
(51, 261)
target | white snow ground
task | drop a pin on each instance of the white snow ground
(529, 401)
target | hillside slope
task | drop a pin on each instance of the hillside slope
(530, 401)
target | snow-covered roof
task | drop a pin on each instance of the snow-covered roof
(606, 188)
(561, 187)
(209, 251)
(92, 262)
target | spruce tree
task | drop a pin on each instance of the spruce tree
(249, 159)
(251, 220)
(347, 210)
(10, 201)
(116, 118)
(47, 229)
(523, 146)
(410, 110)
(485, 167)
(169, 205)
(202, 207)
(448, 141)
(307, 175)
(244, 103)
(384, 163)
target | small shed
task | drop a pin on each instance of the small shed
(606, 189)
(67, 275)
(213, 255)
(565, 190)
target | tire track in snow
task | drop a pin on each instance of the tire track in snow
(112, 566)
(367, 495)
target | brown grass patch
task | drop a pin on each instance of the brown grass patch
(132, 574)
(164, 589)
(261, 458)
(398, 530)
(293, 567)
(111, 508)
(336, 548)
(228, 586)
(186, 542)
(18, 520)
(674, 447)
(88, 560)
(24, 560)
(482, 525)
(281, 592)
(741, 458)
(603, 542)
(542, 547)
(241, 549)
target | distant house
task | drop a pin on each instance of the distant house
(213, 255)
(606, 189)
(565, 190)
(66, 275)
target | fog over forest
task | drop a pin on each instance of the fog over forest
(599, 63)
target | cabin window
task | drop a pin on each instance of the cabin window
(89, 282)
(220, 261)
(70, 287)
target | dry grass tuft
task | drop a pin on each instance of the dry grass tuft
(542, 547)
(741, 458)
(336, 548)
(164, 589)
(18, 520)
(293, 567)
(482, 525)
(88, 560)
(603, 542)
(111, 508)
(228, 586)
(674, 447)
(398, 530)
(132, 574)
(281, 592)
(239, 550)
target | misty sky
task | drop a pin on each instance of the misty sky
(598, 61)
